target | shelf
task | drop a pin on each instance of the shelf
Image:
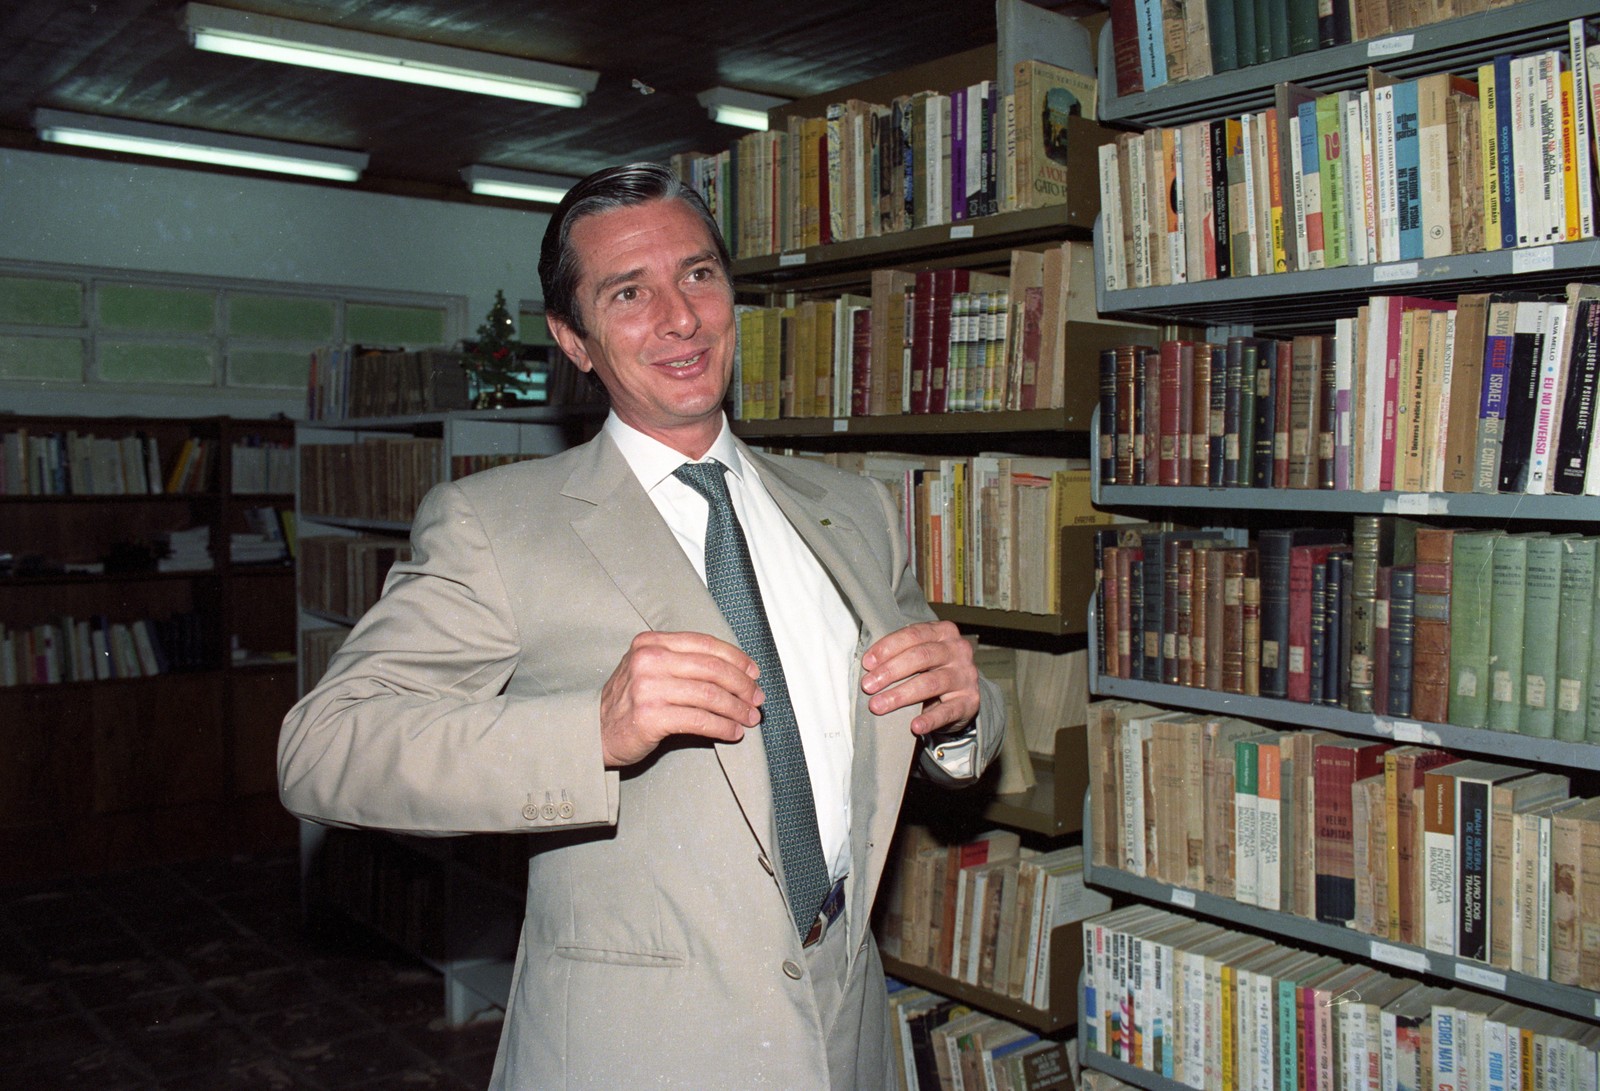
(1066, 964)
(1124, 1071)
(1314, 298)
(107, 498)
(329, 616)
(142, 680)
(1395, 956)
(396, 526)
(919, 424)
(532, 414)
(987, 239)
(1458, 45)
(1464, 505)
(1014, 620)
(1496, 744)
(66, 579)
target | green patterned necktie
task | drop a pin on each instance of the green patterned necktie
(731, 578)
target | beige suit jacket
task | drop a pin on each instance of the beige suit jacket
(467, 700)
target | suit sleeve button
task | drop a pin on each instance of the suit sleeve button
(531, 812)
(548, 812)
(766, 865)
(791, 969)
(566, 810)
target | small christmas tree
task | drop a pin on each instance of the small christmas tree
(493, 359)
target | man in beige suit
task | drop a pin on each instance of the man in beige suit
(554, 658)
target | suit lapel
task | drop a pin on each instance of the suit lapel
(630, 540)
(884, 745)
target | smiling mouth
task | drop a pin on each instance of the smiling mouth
(679, 365)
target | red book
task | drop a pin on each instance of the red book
(1339, 764)
(1200, 416)
(861, 362)
(922, 343)
(1110, 602)
(1284, 378)
(943, 286)
(1125, 47)
(1302, 561)
(1169, 413)
(1398, 306)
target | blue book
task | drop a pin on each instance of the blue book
(1507, 165)
(1311, 184)
(1408, 169)
(1152, 43)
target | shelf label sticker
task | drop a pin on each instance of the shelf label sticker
(1392, 46)
(1482, 976)
(1404, 958)
(1536, 259)
(1394, 271)
(961, 231)
(841, 425)
(1409, 731)
(787, 260)
(1183, 899)
(1414, 503)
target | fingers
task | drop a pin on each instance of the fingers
(928, 663)
(676, 684)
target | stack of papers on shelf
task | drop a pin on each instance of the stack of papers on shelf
(187, 551)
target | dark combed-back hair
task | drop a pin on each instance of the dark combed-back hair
(604, 191)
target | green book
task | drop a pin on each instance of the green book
(1335, 225)
(1471, 569)
(1246, 811)
(1541, 604)
(1509, 569)
(1574, 638)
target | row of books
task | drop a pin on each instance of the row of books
(1209, 1007)
(985, 530)
(1460, 856)
(349, 381)
(269, 540)
(1399, 171)
(868, 169)
(946, 1045)
(382, 478)
(1474, 627)
(68, 649)
(1154, 44)
(984, 911)
(464, 465)
(262, 466)
(937, 341)
(317, 648)
(1487, 393)
(343, 575)
(81, 464)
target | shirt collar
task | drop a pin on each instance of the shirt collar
(653, 461)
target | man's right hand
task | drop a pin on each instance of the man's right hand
(676, 684)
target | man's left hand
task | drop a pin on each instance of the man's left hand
(929, 664)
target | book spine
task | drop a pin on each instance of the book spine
(1402, 591)
(1541, 606)
(1472, 869)
(1439, 863)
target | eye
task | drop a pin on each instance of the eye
(627, 295)
(703, 273)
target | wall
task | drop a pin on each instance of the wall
(68, 210)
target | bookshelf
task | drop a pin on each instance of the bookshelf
(1310, 301)
(114, 767)
(457, 903)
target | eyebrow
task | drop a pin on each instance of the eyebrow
(605, 284)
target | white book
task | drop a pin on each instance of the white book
(1196, 197)
(1388, 197)
(1524, 127)
(1582, 126)
(1552, 386)
(1177, 239)
(1439, 885)
(1262, 185)
(1444, 1043)
(1134, 735)
(1247, 125)
(1439, 427)
(1369, 188)
(1344, 364)
(1297, 193)
(1140, 212)
(1494, 1055)
(1375, 365)
(1356, 176)
(1113, 256)
(1549, 174)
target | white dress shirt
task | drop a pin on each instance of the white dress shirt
(815, 631)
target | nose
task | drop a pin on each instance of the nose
(678, 317)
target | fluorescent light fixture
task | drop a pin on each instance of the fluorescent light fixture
(746, 109)
(289, 41)
(198, 145)
(519, 185)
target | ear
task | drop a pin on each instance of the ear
(570, 342)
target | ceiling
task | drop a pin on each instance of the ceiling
(131, 59)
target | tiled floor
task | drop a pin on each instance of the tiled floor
(200, 977)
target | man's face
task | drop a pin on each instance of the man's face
(659, 311)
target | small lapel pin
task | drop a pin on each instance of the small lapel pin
(827, 522)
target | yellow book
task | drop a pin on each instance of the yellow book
(1569, 157)
(1489, 143)
(1229, 1068)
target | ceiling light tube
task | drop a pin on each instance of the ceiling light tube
(198, 145)
(327, 48)
(745, 109)
(519, 185)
